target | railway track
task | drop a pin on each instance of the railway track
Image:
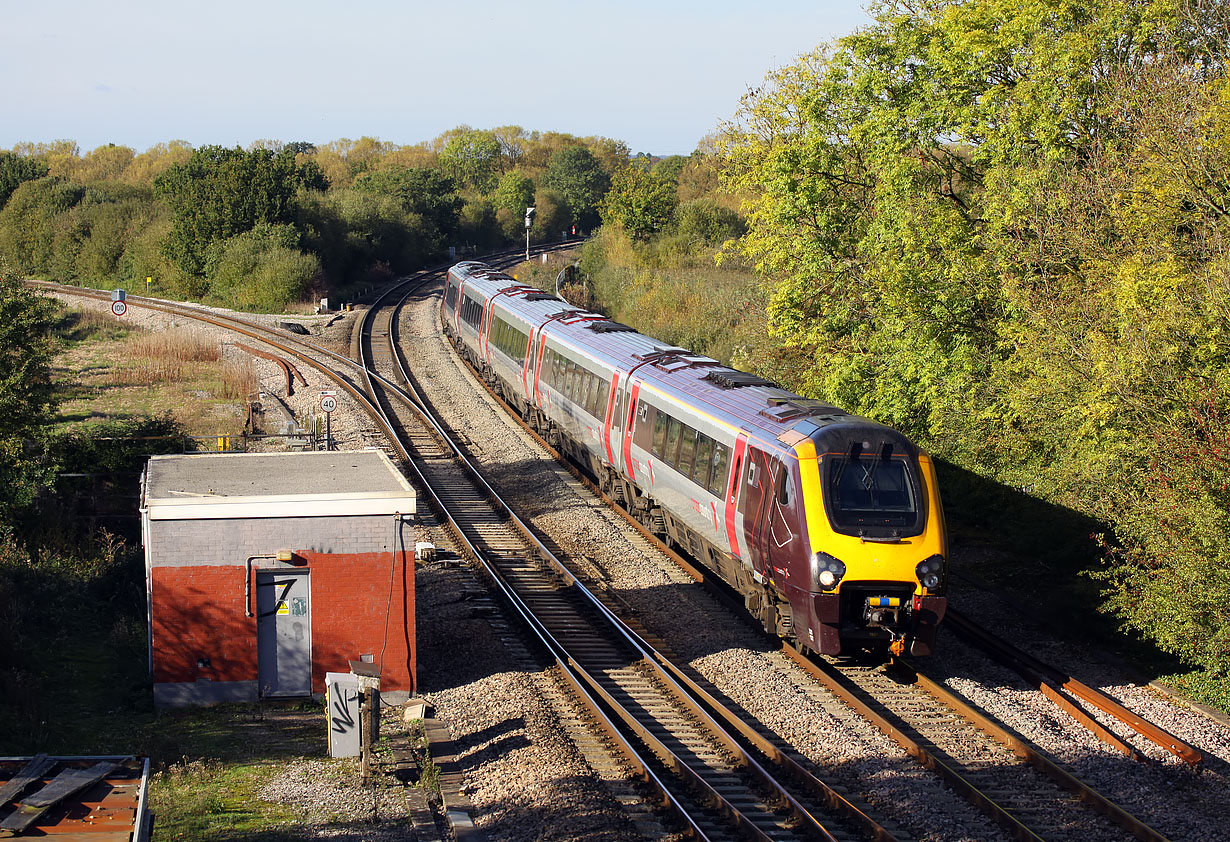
(1050, 810)
(718, 787)
(1029, 795)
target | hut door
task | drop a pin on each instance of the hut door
(284, 632)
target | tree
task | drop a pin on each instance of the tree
(471, 158)
(27, 394)
(15, 169)
(577, 176)
(423, 191)
(512, 145)
(222, 192)
(997, 225)
(514, 192)
(261, 270)
(154, 161)
(552, 218)
(639, 200)
(31, 221)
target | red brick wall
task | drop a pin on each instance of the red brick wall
(350, 593)
(198, 612)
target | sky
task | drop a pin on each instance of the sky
(657, 75)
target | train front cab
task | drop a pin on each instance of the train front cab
(878, 568)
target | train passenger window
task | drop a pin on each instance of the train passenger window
(659, 434)
(597, 400)
(569, 370)
(643, 429)
(589, 393)
(717, 478)
(704, 454)
(687, 451)
(673, 434)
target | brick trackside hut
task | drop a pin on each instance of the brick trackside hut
(265, 571)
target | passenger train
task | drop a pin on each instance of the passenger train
(829, 525)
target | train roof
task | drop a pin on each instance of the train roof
(737, 398)
(731, 396)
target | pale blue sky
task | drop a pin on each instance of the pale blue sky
(657, 75)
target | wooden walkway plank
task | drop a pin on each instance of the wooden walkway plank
(35, 770)
(65, 784)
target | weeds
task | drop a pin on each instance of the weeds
(87, 325)
(190, 788)
(238, 379)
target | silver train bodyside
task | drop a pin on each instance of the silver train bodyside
(829, 525)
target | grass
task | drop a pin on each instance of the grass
(112, 372)
(212, 791)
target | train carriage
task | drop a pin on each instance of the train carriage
(829, 525)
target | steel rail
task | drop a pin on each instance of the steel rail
(948, 773)
(835, 683)
(1035, 758)
(376, 412)
(649, 655)
(1048, 678)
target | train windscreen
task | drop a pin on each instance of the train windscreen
(869, 493)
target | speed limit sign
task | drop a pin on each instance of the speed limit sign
(119, 308)
(328, 403)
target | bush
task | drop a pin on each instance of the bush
(31, 222)
(259, 270)
(478, 225)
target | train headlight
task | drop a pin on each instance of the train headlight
(826, 571)
(930, 572)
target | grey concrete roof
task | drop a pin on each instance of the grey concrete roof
(332, 474)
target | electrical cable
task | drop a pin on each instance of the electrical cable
(388, 608)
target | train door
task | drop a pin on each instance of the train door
(738, 542)
(484, 330)
(784, 524)
(754, 498)
(530, 368)
(612, 423)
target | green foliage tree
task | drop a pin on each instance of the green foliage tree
(990, 223)
(222, 192)
(261, 270)
(552, 217)
(640, 201)
(31, 221)
(478, 224)
(16, 169)
(27, 395)
(515, 192)
(704, 222)
(426, 192)
(577, 176)
(472, 159)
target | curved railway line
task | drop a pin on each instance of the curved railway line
(722, 777)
